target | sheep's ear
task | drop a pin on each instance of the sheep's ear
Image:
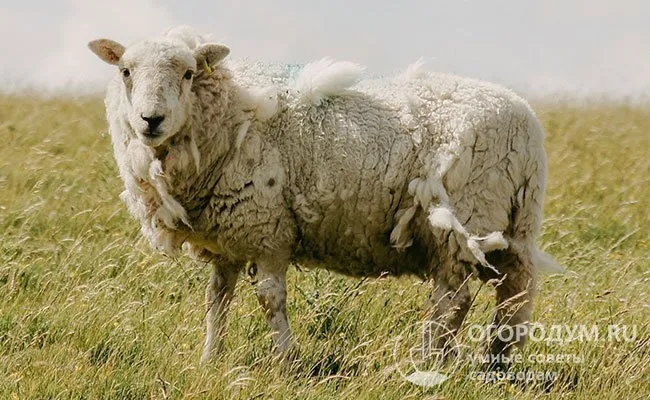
(108, 50)
(210, 54)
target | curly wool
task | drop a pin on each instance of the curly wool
(385, 178)
(381, 175)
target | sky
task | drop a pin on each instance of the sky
(537, 47)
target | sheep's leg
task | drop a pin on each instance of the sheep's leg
(514, 295)
(449, 305)
(218, 295)
(272, 295)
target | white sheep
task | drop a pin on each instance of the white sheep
(425, 174)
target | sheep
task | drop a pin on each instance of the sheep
(424, 174)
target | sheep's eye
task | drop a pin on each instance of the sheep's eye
(126, 73)
(188, 75)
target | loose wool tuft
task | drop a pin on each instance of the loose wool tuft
(264, 101)
(186, 35)
(414, 71)
(326, 77)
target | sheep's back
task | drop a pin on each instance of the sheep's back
(351, 159)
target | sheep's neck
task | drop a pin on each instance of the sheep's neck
(213, 126)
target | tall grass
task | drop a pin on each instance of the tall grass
(87, 310)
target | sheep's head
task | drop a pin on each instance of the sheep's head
(156, 82)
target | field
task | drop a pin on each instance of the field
(88, 311)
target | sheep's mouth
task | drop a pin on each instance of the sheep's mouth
(152, 139)
(151, 135)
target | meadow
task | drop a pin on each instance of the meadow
(89, 311)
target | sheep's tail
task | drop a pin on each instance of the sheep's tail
(545, 264)
(528, 205)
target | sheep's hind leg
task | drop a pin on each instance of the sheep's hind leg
(218, 295)
(449, 305)
(514, 298)
(272, 295)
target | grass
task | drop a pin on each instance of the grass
(88, 311)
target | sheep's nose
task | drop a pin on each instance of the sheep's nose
(153, 122)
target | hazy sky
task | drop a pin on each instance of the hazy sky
(537, 47)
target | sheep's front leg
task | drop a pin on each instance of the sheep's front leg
(218, 295)
(272, 295)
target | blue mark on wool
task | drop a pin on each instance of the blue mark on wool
(293, 70)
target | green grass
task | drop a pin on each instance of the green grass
(87, 310)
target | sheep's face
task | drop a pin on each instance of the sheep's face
(156, 83)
